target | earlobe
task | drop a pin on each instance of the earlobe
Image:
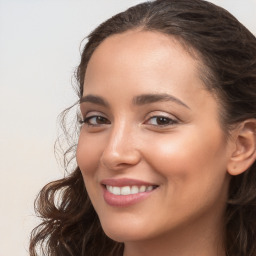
(244, 153)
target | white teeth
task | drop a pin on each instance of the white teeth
(116, 190)
(142, 188)
(149, 188)
(127, 190)
(110, 188)
(134, 190)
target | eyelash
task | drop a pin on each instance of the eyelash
(168, 121)
(88, 119)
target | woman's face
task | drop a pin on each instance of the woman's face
(151, 150)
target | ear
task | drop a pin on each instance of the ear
(243, 154)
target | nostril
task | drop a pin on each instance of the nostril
(119, 160)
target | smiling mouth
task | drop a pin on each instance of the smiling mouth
(126, 192)
(129, 190)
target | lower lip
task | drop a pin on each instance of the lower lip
(124, 201)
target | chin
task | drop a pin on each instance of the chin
(121, 232)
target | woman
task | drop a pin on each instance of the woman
(167, 144)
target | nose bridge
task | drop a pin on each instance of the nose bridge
(121, 148)
(118, 135)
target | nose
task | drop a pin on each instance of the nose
(121, 149)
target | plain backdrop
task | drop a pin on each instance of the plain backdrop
(39, 50)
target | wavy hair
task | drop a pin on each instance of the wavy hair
(227, 50)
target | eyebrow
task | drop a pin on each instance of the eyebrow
(137, 100)
(94, 99)
(152, 98)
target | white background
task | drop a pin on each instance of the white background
(39, 50)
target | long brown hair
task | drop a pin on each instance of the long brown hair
(70, 225)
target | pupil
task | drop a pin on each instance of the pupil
(162, 120)
(100, 120)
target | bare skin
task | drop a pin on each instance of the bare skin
(174, 142)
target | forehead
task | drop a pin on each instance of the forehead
(145, 58)
(142, 47)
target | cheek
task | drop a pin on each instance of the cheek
(193, 171)
(190, 144)
(190, 156)
(88, 154)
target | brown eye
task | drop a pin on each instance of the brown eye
(96, 120)
(161, 121)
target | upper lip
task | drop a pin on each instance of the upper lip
(125, 182)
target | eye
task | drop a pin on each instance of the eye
(95, 120)
(161, 121)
